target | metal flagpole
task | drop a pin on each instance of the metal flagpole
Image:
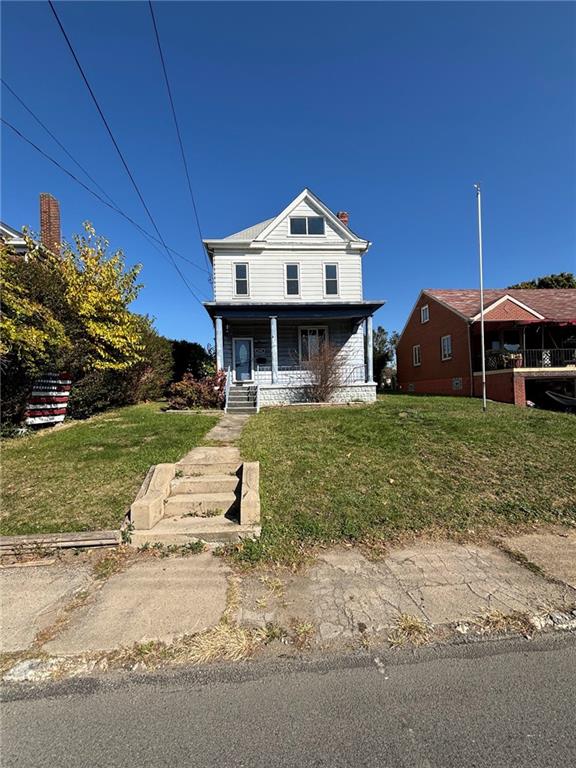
(480, 256)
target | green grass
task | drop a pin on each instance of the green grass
(85, 476)
(407, 464)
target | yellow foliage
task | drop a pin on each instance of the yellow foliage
(70, 309)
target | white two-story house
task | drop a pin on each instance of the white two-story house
(284, 287)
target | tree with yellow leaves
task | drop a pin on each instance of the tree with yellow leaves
(67, 312)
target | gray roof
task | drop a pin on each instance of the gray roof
(250, 233)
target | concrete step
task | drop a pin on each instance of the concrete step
(197, 469)
(235, 409)
(204, 484)
(179, 530)
(201, 504)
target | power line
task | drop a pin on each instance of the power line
(153, 241)
(173, 108)
(119, 151)
(49, 132)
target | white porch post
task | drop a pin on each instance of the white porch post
(369, 351)
(274, 345)
(219, 345)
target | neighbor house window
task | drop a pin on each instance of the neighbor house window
(292, 279)
(424, 314)
(416, 355)
(307, 225)
(331, 279)
(241, 279)
(446, 344)
(311, 342)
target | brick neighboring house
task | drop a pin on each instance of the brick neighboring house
(530, 341)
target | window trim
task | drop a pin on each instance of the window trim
(324, 278)
(414, 348)
(427, 308)
(442, 355)
(310, 328)
(234, 279)
(306, 233)
(291, 295)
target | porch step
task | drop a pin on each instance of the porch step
(199, 504)
(241, 409)
(212, 483)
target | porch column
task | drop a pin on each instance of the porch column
(274, 346)
(369, 351)
(219, 345)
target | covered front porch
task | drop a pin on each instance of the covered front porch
(272, 347)
(525, 345)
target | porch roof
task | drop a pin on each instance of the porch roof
(316, 310)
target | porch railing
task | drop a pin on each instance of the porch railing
(227, 389)
(298, 376)
(497, 360)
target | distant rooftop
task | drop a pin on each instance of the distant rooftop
(557, 304)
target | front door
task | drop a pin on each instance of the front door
(242, 359)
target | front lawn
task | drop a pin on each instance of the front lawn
(85, 476)
(408, 463)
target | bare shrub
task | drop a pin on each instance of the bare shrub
(326, 370)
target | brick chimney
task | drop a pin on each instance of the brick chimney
(344, 217)
(50, 222)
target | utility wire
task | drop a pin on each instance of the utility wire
(49, 132)
(119, 151)
(177, 126)
(153, 240)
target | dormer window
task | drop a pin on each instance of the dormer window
(307, 225)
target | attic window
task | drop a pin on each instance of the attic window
(307, 225)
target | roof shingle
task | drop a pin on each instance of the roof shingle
(556, 304)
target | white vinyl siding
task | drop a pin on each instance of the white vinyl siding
(446, 347)
(416, 355)
(267, 275)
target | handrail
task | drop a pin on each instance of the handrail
(227, 389)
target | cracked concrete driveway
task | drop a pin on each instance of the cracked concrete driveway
(344, 594)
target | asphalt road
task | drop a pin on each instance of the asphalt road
(490, 704)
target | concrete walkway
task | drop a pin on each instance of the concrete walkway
(228, 429)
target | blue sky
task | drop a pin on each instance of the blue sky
(390, 111)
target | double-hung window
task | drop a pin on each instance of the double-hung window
(424, 314)
(446, 346)
(311, 342)
(292, 280)
(307, 225)
(331, 279)
(241, 280)
(416, 355)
